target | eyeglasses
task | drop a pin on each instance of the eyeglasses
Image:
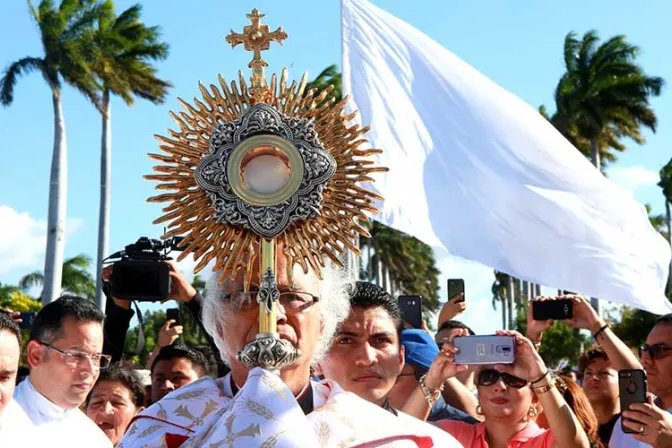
(75, 358)
(655, 351)
(292, 301)
(489, 377)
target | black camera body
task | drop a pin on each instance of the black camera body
(142, 273)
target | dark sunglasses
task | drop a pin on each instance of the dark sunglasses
(655, 351)
(489, 377)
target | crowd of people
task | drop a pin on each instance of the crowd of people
(362, 376)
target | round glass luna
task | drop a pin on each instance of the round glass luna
(265, 170)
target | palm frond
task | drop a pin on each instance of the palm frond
(33, 279)
(12, 75)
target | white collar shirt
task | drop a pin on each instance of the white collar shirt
(58, 426)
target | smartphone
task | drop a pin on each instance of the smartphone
(632, 389)
(174, 314)
(490, 349)
(552, 309)
(27, 319)
(455, 287)
(411, 309)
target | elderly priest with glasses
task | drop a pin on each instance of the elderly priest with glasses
(64, 355)
(266, 181)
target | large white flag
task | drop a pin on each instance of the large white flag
(478, 171)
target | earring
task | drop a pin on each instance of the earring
(479, 410)
(532, 413)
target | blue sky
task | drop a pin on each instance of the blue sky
(517, 44)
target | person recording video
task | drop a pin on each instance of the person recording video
(119, 313)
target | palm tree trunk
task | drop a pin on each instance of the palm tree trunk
(58, 190)
(668, 218)
(595, 158)
(104, 211)
(510, 294)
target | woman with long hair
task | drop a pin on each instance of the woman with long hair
(578, 402)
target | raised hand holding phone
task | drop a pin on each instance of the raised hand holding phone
(528, 364)
(536, 328)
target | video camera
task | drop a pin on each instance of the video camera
(141, 273)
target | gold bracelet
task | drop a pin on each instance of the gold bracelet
(431, 395)
(543, 389)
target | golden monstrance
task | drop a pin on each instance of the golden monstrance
(255, 168)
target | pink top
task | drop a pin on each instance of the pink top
(473, 436)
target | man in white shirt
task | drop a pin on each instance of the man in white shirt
(13, 421)
(64, 356)
(652, 422)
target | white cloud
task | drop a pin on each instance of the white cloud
(633, 177)
(23, 239)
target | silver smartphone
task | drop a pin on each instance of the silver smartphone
(490, 349)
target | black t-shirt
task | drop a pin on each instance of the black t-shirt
(606, 429)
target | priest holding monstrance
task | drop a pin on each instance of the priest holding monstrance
(265, 180)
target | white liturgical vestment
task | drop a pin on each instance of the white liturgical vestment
(264, 413)
(59, 427)
(15, 426)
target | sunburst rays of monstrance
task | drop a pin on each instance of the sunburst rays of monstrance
(258, 169)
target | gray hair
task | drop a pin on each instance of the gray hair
(334, 307)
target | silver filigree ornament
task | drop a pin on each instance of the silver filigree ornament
(269, 221)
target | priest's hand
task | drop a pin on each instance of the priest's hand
(536, 328)
(528, 365)
(653, 425)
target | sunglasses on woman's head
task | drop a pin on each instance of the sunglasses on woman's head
(489, 377)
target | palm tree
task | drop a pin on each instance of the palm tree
(666, 184)
(603, 96)
(503, 292)
(62, 32)
(76, 277)
(124, 51)
(329, 77)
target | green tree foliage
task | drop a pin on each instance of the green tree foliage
(634, 326)
(603, 96)
(152, 322)
(77, 278)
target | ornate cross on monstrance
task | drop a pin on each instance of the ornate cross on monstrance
(256, 38)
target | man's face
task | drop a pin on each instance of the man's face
(600, 381)
(171, 374)
(9, 365)
(365, 357)
(111, 407)
(302, 329)
(659, 371)
(405, 384)
(66, 379)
